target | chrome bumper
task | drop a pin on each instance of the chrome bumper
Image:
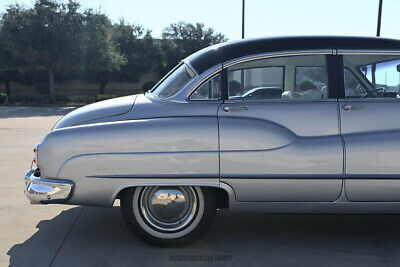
(46, 191)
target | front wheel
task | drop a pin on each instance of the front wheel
(162, 215)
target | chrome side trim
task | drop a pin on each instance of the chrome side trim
(236, 61)
(45, 191)
(317, 207)
(232, 101)
(187, 62)
(374, 100)
(367, 52)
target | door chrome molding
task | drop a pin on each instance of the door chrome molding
(238, 101)
(147, 177)
(372, 100)
(236, 61)
(367, 52)
(317, 207)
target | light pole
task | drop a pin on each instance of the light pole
(378, 33)
(378, 29)
(242, 70)
(242, 19)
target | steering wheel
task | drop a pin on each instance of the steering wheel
(379, 91)
(375, 93)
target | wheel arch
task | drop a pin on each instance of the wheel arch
(223, 192)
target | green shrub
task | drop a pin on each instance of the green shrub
(81, 99)
(88, 99)
(105, 97)
(3, 98)
(148, 85)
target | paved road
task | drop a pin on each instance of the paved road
(60, 235)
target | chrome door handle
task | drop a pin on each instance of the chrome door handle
(350, 107)
(231, 109)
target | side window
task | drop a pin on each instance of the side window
(311, 82)
(209, 90)
(295, 77)
(353, 88)
(372, 76)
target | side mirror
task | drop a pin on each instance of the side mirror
(398, 68)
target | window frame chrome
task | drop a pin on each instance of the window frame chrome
(183, 95)
(289, 53)
(368, 52)
(253, 57)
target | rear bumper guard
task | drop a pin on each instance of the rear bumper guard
(46, 191)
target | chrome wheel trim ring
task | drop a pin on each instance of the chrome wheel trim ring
(163, 234)
(156, 203)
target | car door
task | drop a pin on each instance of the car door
(281, 146)
(370, 125)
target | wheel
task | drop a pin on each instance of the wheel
(162, 215)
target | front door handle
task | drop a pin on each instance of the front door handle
(233, 109)
(350, 107)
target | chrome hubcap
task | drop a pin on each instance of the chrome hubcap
(168, 208)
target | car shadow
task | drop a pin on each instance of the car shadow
(99, 237)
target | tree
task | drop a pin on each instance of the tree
(100, 50)
(8, 68)
(47, 36)
(182, 39)
(138, 47)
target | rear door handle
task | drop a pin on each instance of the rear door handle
(350, 107)
(233, 109)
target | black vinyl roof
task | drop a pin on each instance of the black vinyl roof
(211, 56)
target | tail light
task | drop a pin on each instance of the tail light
(35, 157)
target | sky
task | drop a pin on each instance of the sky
(263, 17)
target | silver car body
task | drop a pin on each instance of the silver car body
(329, 161)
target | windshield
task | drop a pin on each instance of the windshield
(173, 82)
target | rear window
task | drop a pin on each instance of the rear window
(174, 81)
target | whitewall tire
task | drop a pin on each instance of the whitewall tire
(162, 215)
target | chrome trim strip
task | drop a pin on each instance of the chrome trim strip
(187, 62)
(236, 61)
(367, 52)
(341, 207)
(233, 101)
(167, 176)
(45, 191)
(376, 100)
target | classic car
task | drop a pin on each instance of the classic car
(190, 145)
